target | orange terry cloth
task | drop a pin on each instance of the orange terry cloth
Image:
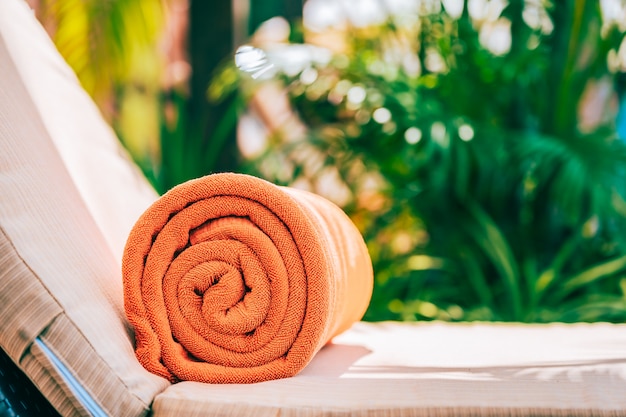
(231, 279)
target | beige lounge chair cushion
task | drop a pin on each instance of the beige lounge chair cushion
(68, 198)
(435, 369)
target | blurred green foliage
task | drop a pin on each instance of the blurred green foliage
(113, 48)
(469, 161)
(475, 151)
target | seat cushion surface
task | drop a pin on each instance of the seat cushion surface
(422, 369)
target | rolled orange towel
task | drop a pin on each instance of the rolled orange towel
(231, 279)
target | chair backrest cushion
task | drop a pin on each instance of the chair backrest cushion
(69, 195)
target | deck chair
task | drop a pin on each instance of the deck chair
(69, 195)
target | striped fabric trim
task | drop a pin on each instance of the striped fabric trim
(52, 387)
(81, 394)
(21, 292)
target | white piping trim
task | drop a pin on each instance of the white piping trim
(77, 389)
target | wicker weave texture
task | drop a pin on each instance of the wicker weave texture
(18, 395)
